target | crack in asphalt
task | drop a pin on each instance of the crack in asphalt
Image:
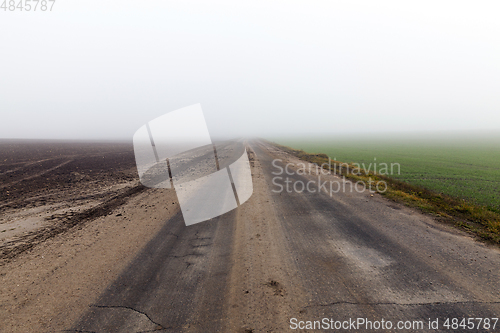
(171, 233)
(400, 304)
(188, 255)
(148, 331)
(202, 245)
(160, 326)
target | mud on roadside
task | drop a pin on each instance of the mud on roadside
(48, 187)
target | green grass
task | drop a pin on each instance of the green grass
(462, 168)
(467, 214)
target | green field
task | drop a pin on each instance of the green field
(462, 166)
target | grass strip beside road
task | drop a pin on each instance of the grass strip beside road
(481, 221)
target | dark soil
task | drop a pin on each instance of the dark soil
(33, 173)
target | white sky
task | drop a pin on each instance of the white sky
(101, 69)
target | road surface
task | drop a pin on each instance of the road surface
(283, 259)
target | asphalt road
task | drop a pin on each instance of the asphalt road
(306, 256)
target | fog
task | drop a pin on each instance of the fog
(94, 70)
